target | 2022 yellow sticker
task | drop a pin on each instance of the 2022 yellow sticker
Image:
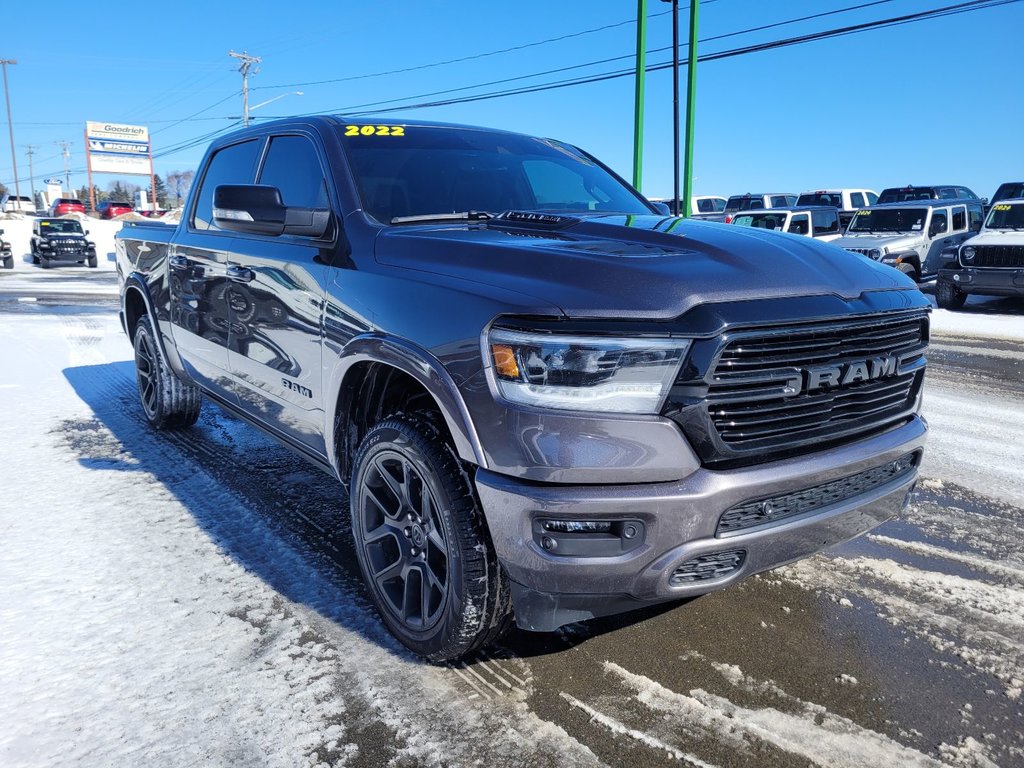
(375, 130)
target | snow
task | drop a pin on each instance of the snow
(18, 232)
(973, 324)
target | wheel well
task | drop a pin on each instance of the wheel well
(134, 308)
(370, 393)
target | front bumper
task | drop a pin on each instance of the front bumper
(989, 282)
(680, 523)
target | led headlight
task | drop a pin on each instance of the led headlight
(875, 254)
(584, 373)
(967, 254)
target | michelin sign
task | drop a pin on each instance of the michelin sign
(115, 148)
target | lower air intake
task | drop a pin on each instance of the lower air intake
(708, 567)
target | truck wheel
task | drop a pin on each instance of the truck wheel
(8, 262)
(93, 262)
(948, 296)
(44, 262)
(422, 543)
(167, 401)
(908, 270)
(35, 255)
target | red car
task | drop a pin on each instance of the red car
(63, 205)
(108, 209)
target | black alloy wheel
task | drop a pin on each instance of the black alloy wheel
(147, 373)
(167, 401)
(422, 541)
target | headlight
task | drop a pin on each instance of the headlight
(44, 244)
(875, 254)
(584, 373)
(967, 254)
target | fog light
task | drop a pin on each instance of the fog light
(577, 526)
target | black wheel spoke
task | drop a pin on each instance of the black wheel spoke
(380, 532)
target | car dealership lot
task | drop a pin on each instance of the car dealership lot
(195, 601)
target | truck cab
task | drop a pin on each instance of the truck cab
(911, 236)
(820, 222)
(846, 201)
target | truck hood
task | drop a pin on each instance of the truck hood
(621, 266)
(997, 237)
(897, 242)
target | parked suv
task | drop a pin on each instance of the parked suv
(108, 209)
(820, 222)
(63, 205)
(5, 253)
(938, 192)
(846, 201)
(991, 263)
(60, 240)
(10, 203)
(912, 236)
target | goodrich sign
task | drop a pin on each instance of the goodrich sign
(115, 148)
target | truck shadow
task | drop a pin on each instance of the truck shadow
(270, 511)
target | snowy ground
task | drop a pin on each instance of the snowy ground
(192, 600)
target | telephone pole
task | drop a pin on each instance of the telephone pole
(67, 156)
(10, 127)
(31, 150)
(244, 67)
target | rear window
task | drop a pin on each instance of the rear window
(900, 194)
(821, 198)
(743, 203)
(764, 220)
(1009, 191)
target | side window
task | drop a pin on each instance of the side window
(758, 203)
(231, 165)
(718, 205)
(779, 201)
(293, 167)
(976, 216)
(947, 193)
(940, 223)
(872, 198)
(856, 200)
(966, 194)
(825, 223)
(705, 206)
(959, 219)
(799, 225)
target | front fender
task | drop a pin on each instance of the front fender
(421, 366)
(135, 286)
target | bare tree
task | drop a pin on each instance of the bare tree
(179, 183)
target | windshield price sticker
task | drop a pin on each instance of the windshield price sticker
(1001, 207)
(863, 213)
(375, 130)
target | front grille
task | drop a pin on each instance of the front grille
(1000, 256)
(777, 508)
(708, 567)
(862, 251)
(768, 393)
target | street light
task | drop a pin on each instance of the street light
(264, 103)
(10, 130)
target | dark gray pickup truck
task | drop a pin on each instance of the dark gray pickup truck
(547, 401)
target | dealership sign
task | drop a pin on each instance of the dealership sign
(116, 148)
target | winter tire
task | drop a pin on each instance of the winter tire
(93, 262)
(8, 262)
(167, 401)
(948, 296)
(908, 270)
(422, 543)
(35, 255)
(44, 262)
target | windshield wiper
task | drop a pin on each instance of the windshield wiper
(463, 216)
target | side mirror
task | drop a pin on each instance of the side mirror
(662, 208)
(87, 231)
(257, 210)
(936, 228)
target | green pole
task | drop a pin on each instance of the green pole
(638, 107)
(691, 92)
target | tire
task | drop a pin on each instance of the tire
(92, 262)
(44, 262)
(35, 254)
(167, 401)
(8, 262)
(948, 296)
(908, 270)
(420, 534)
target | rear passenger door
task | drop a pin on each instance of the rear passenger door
(198, 271)
(276, 299)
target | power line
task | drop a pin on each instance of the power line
(196, 114)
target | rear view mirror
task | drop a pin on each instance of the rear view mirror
(257, 209)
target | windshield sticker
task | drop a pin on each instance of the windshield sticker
(918, 225)
(375, 130)
(1000, 207)
(863, 213)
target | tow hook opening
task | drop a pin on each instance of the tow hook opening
(588, 538)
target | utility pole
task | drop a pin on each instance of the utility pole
(31, 150)
(67, 156)
(685, 210)
(10, 129)
(247, 62)
(638, 106)
(691, 94)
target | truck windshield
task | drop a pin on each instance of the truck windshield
(60, 226)
(762, 220)
(1009, 190)
(889, 220)
(1003, 216)
(416, 171)
(821, 198)
(743, 203)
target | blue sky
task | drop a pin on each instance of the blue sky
(937, 101)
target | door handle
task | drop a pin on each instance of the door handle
(240, 274)
(178, 262)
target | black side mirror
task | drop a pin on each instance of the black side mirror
(257, 209)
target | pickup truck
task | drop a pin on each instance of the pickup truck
(818, 221)
(546, 400)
